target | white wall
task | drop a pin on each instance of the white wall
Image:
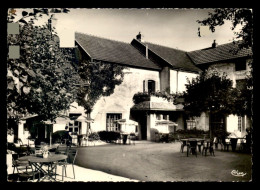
(121, 100)
(181, 80)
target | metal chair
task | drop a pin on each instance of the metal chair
(62, 149)
(25, 170)
(72, 154)
(192, 148)
(208, 146)
(183, 144)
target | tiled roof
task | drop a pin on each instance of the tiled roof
(177, 58)
(220, 53)
(102, 49)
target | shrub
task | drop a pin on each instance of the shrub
(109, 136)
(94, 136)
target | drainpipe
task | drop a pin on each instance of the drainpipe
(177, 81)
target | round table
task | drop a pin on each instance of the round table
(39, 162)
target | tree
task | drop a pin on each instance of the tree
(209, 92)
(102, 79)
(42, 81)
(238, 16)
(244, 18)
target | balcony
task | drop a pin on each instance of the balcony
(156, 101)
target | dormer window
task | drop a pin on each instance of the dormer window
(240, 65)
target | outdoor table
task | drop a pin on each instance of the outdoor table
(187, 140)
(39, 162)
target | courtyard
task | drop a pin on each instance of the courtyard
(149, 161)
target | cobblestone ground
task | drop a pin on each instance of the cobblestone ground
(148, 161)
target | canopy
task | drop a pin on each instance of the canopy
(86, 119)
(127, 125)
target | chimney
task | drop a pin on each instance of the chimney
(146, 51)
(138, 36)
(214, 44)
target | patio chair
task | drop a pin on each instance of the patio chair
(242, 144)
(25, 170)
(62, 149)
(192, 148)
(72, 154)
(225, 143)
(132, 138)
(199, 144)
(183, 144)
(208, 146)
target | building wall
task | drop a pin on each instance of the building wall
(229, 69)
(202, 122)
(165, 79)
(121, 100)
(178, 79)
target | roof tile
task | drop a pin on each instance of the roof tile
(113, 51)
(217, 54)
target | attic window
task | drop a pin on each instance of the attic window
(240, 65)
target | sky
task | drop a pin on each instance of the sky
(175, 28)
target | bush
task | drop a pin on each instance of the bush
(192, 133)
(109, 136)
(94, 136)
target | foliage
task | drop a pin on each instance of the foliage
(145, 96)
(220, 133)
(102, 79)
(209, 92)
(42, 80)
(94, 136)
(238, 16)
(59, 136)
(109, 136)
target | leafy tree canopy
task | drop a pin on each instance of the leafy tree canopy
(42, 81)
(209, 92)
(239, 17)
(102, 79)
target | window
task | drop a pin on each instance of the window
(111, 124)
(165, 117)
(241, 123)
(151, 86)
(240, 65)
(158, 116)
(191, 124)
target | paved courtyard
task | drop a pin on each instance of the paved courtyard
(148, 161)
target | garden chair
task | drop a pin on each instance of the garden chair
(242, 144)
(183, 144)
(225, 143)
(72, 154)
(132, 138)
(208, 146)
(199, 144)
(62, 149)
(25, 170)
(192, 148)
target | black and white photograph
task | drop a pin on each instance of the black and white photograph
(129, 95)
